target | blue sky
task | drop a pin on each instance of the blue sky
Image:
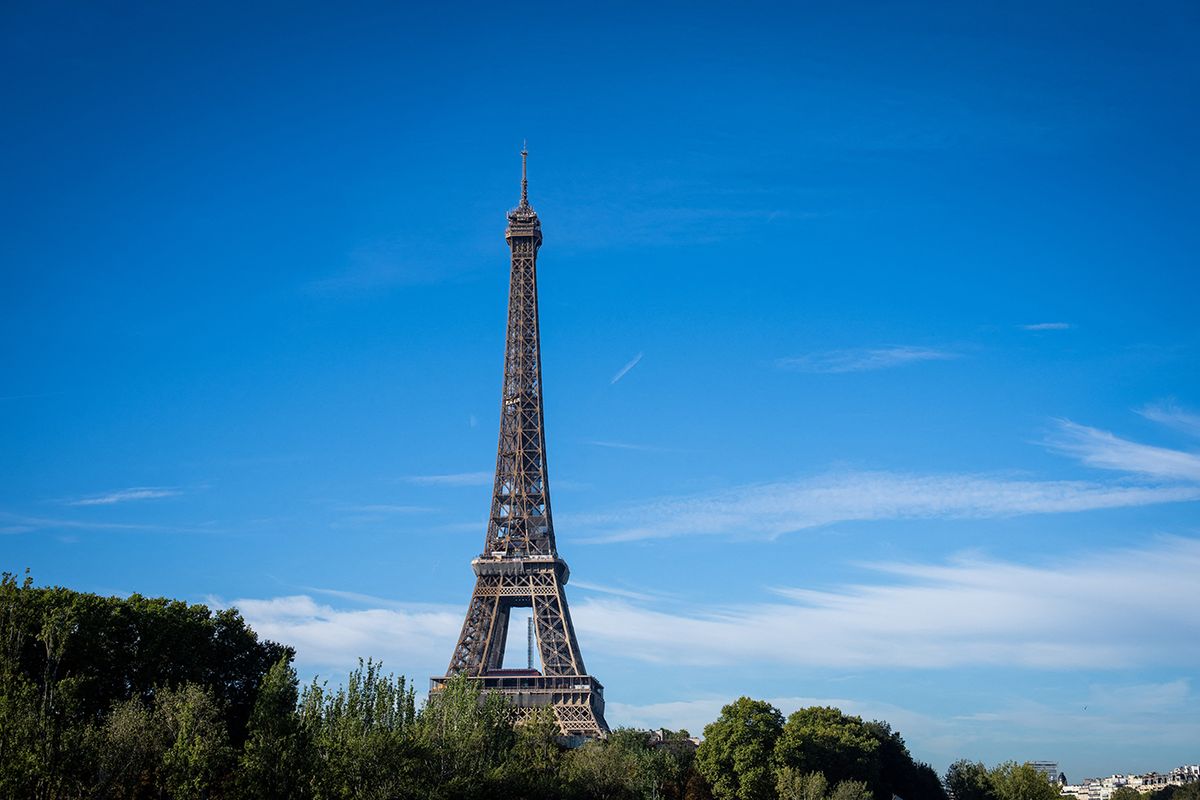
(870, 343)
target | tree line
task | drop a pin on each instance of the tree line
(132, 698)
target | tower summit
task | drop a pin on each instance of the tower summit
(519, 566)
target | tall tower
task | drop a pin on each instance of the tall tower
(519, 566)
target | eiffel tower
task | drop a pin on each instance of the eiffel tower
(519, 566)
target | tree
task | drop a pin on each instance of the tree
(85, 653)
(1013, 781)
(851, 790)
(659, 766)
(791, 784)
(1126, 793)
(899, 774)
(21, 765)
(737, 755)
(531, 768)
(969, 780)
(363, 737)
(839, 746)
(199, 756)
(466, 734)
(129, 751)
(276, 757)
(599, 770)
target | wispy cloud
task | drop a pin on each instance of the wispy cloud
(625, 369)
(1104, 450)
(125, 496)
(772, 509)
(375, 600)
(452, 479)
(1046, 326)
(966, 612)
(863, 359)
(617, 591)
(385, 508)
(17, 523)
(1170, 414)
(625, 446)
(392, 262)
(38, 396)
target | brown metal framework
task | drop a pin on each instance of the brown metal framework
(519, 566)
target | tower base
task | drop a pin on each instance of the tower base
(577, 700)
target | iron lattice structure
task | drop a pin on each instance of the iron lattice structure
(519, 566)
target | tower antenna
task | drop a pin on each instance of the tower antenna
(524, 178)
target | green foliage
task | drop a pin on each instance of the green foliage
(845, 749)
(736, 757)
(969, 780)
(199, 756)
(791, 784)
(276, 759)
(130, 747)
(823, 739)
(465, 735)
(851, 790)
(630, 764)
(362, 737)
(1189, 791)
(531, 768)
(85, 653)
(1013, 781)
(601, 771)
(1126, 793)
(21, 762)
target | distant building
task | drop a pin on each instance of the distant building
(1189, 773)
(665, 737)
(1049, 769)
(1103, 788)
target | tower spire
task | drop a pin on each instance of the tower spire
(524, 178)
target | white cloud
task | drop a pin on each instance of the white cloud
(413, 639)
(1169, 413)
(126, 495)
(625, 369)
(864, 359)
(1047, 326)
(1113, 610)
(772, 509)
(1104, 450)
(452, 479)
